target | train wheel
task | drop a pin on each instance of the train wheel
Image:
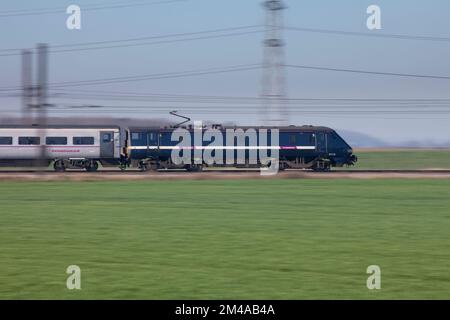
(195, 168)
(148, 166)
(322, 166)
(123, 163)
(59, 166)
(143, 166)
(92, 166)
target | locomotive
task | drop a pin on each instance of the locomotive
(298, 147)
(152, 148)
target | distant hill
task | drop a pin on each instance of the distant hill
(359, 140)
(425, 144)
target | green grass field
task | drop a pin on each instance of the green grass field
(402, 159)
(229, 239)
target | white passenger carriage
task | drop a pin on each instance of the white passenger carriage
(65, 146)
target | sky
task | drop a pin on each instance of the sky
(392, 55)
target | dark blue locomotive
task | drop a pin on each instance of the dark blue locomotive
(305, 147)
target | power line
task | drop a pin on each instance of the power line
(334, 116)
(152, 109)
(45, 11)
(235, 108)
(164, 109)
(146, 94)
(117, 2)
(168, 75)
(157, 36)
(291, 105)
(10, 89)
(372, 35)
(408, 75)
(199, 72)
(312, 30)
(97, 45)
(307, 108)
(173, 35)
(159, 42)
(255, 103)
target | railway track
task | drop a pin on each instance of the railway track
(231, 170)
(117, 175)
(226, 171)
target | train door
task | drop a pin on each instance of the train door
(106, 144)
(321, 142)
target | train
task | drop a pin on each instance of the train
(82, 147)
(85, 147)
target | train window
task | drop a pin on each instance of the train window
(153, 138)
(29, 140)
(62, 141)
(83, 140)
(136, 136)
(107, 137)
(6, 140)
(307, 139)
(336, 141)
(292, 140)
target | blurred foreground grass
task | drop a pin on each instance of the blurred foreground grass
(241, 239)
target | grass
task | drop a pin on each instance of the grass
(408, 159)
(241, 239)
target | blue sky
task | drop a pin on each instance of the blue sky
(410, 17)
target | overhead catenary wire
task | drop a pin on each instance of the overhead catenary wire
(249, 105)
(80, 2)
(161, 39)
(256, 102)
(302, 29)
(232, 108)
(171, 35)
(92, 109)
(225, 35)
(380, 73)
(54, 10)
(155, 76)
(76, 112)
(236, 68)
(158, 76)
(370, 34)
(130, 110)
(258, 98)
